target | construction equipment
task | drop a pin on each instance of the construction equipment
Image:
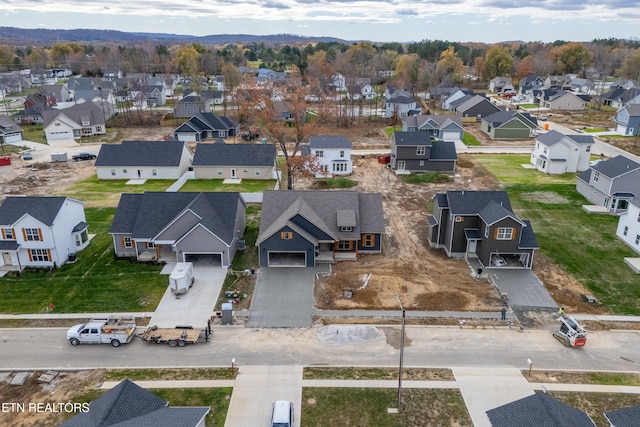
(571, 333)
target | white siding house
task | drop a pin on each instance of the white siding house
(556, 153)
(629, 225)
(333, 154)
(41, 231)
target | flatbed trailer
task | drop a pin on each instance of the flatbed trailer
(175, 337)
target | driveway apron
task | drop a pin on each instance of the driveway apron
(283, 298)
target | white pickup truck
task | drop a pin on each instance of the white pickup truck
(112, 331)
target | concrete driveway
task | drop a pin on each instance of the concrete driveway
(196, 306)
(283, 298)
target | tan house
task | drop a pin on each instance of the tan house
(563, 100)
(235, 161)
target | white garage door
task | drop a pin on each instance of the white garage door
(287, 259)
(451, 136)
(213, 259)
(621, 128)
(188, 137)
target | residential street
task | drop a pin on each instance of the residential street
(425, 346)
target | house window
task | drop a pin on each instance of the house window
(124, 171)
(637, 238)
(545, 150)
(127, 242)
(638, 217)
(344, 245)
(588, 148)
(151, 245)
(369, 240)
(596, 175)
(41, 255)
(7, 234)
(219, 171)
(486, 232)
(113, 172)
(459, 218)
(78, 241)
(32, 234)
(421, 151)
(339, 167)
(341, 153)
(345, 228)
(421, 162)
(504, 233)
(245, 170)
(257, 172)
(154, 172)
(626, 230)
(286, 235)
(319, 153)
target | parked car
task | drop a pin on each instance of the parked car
(27, 156)
(83, 156)
(543, 117)
(282, 414)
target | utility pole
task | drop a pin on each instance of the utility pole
(401, 356)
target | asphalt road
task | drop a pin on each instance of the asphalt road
(424, 347)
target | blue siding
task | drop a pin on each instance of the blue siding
(377, 247)
(276, 244)
(310, 228)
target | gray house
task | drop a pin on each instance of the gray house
(302, 228)
(236, 161)
(509, 125)
(206, 125)
(538, 410)
(418, 152)
(128, 405)
(481, 225)
(179, 227)
(10, 132)
(143, 159)
(476, 108)
(612, 183)
(628, 120)
(446, 128)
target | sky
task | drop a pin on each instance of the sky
(488, 21)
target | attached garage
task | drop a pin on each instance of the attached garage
(451, 136)
(287, 259)
(210, 259)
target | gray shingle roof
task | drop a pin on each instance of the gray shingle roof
(409, 139)
(129, 405)
(473, 202)
(501, 117)
(7, 125)
(76, 113)
(538, 410)
(141, 153)
(221, 154)
(143, 216)
(494, 212)
(432, 121)
(208, 121)
(625, 417)
(401, 100)
(616, 166)
(321, 209)
(528, 239)
(329, 141)
(550, 138)
(443, 150)
(44, 209)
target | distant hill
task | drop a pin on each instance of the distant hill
(41, 36)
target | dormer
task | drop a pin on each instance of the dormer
(346, 219)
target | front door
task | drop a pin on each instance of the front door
(6, 258)
(233, 173)
(139, 173)
(472, 246)
(402, 165)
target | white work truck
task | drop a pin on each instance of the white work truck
(112, 330)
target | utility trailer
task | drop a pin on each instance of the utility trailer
(175, 337)
(112, 330)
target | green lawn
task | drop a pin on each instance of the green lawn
(507, 168)
(590, 130)
(106, 193)
(389, 130)
(584, 245)
(358, 407)
(469, 139)
(246, 186)
(34, 133)
(95, 283)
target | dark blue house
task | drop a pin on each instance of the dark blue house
(302, 228)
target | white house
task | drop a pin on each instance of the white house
(144, 159)
(400, 105)
(556, 153)
(333, 154)
(629, 225)
(77, 121)
(41, 231)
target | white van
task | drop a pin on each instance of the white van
(282, 414)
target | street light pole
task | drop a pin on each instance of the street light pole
(401, 356)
